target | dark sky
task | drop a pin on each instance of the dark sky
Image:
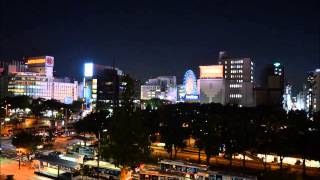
(151, 38)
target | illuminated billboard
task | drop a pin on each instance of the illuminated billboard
(36, 61)
(47, 60)
(211, 72)
(88, 69)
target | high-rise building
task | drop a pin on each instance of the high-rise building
(212, 85)
(162, 87)
(287, 99)
(34, 78)
(271, 92)
(101, 84)
(311, 92)
(238, 73)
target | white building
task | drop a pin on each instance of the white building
(37, 81)
(162, 87)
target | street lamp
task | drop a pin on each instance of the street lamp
(19, 153)
(6, 109)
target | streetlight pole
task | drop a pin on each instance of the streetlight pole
(99, 155)
(6, 115)
(0, 142)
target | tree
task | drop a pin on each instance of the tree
(19, 102)
(27, 141)
(154, 103)
(76, 106)
(174, 130)
(127, 140)
(37, 107)
(53, 105)
(94, 122)
(299, 133)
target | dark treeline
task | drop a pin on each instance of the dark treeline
(215, 128)
(265, 130)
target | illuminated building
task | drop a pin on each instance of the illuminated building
(162, 87)
(238, 73)
(34, 78)
(309, 97)
(181, 93)
(212, 85)
(287, 99)
(101, 84)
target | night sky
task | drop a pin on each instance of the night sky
(151, 38)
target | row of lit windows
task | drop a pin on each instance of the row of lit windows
(236, 76)
(236, 66)
(235, 85)
(235, 95)
(235, 71)
(235, 62)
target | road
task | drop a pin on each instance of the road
(192, 155)
(61, 143)
(9, 160)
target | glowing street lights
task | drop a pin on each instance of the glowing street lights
(19, 153)
(6, 109)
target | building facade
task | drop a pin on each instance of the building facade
(212, 85)
(271, 92)
(239, 76)
(101, 84)
(162, 87)
(309, 97)
(34, 78)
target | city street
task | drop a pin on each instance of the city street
(219, 161)
(60, 143)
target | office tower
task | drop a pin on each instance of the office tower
(101, 84)
(312, 91)
(238, 73)
(271, 92)
(287, 99)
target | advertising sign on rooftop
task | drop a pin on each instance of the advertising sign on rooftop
(88, 69)
(210, 72)
(43, 60)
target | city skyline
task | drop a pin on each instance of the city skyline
(161, 38)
